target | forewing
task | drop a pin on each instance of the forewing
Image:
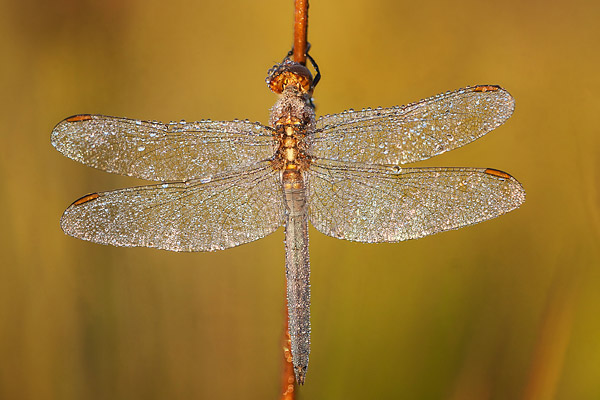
(390, 204)
(162, 151)
(414, 132)
(182, 216)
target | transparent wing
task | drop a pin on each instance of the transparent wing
(391, 204)
(157, 151)
(414, 132)
(196, 215)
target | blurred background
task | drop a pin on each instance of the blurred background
(507, 309)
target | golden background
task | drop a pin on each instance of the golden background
(508, 309)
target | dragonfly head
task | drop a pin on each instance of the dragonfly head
(289, 73)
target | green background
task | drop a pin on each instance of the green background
(508, 309)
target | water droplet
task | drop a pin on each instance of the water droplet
(141, 148)
(206, 179)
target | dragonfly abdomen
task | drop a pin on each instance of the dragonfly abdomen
(297, 270)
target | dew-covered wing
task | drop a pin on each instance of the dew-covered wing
(197, 215)
(404, 134)
(162, 151)
(391, 204)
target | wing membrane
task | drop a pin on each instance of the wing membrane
(182, 216)
(161, 152)
(414, 132)
(391, 204)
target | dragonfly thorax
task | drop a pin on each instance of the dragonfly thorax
(291, 157)
(293, 108)
(292, 118)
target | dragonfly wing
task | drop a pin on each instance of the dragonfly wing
(391, 204)
(182, 216)
(162, 151)
(414, 132)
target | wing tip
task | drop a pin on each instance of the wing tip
(518, 193)
(502, 95)
(60, 129)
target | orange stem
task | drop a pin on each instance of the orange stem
(300, 31)
(288, 378)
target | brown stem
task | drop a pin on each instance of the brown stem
(300, 31)
(287, 376)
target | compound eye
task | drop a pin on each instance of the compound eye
(289, 73)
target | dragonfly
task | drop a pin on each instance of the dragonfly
(221, 184)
